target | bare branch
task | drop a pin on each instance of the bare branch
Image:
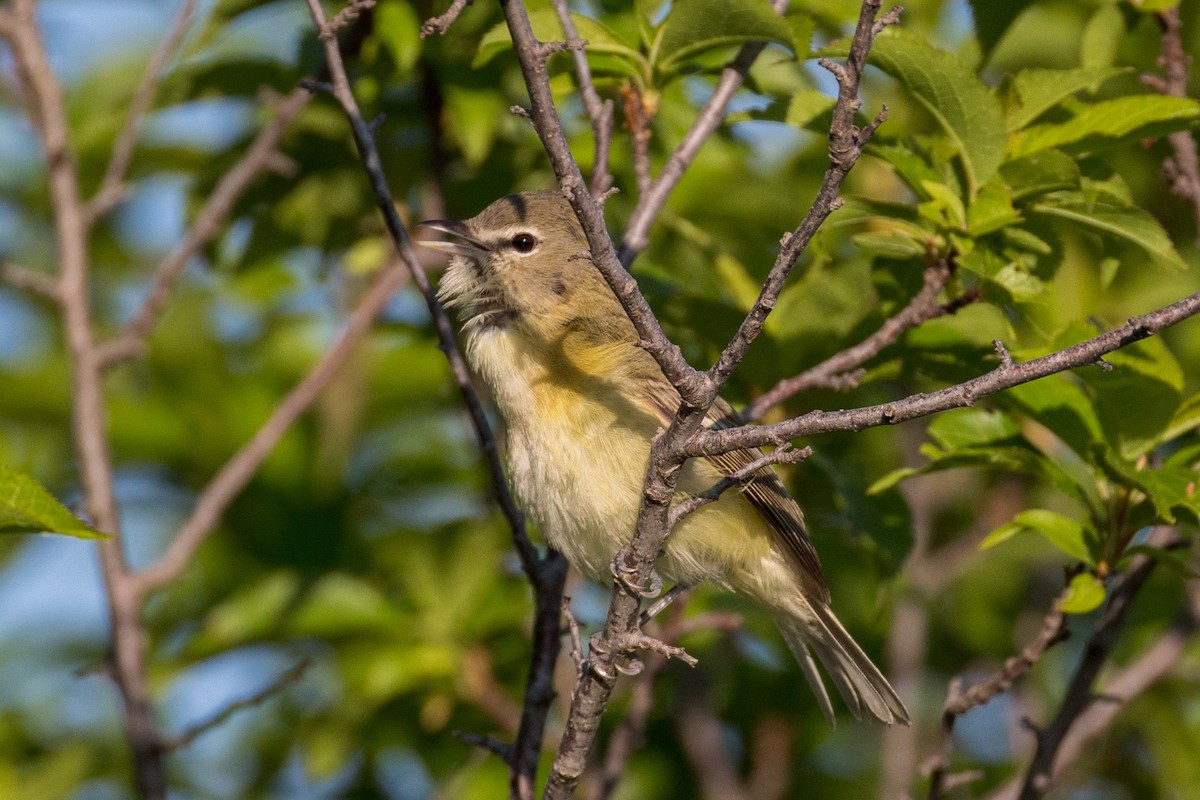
(289, 676)
(599, 111)
(1079, 695)
(442, 23)
(838, 371)
(47, 110)
(959, 702)
(1183, 167)
(710, 442)
(846, 143)
(547, 574)
(651, 202)
(233, 476)
(781, 455)
(112, 187)
(343, 18)
(30, 280)
(259, 156)
(692, 385)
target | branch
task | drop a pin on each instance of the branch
(631, 733)
(351, 12)
(693, 386)
(288, 676)
(846, 143)
(780, 455)
(958, 702)
(47, 110)
(599, 111)
(441, 24)
(31, 281)
(669, 448)
(1007, 375)
(237, 472)
(838, 371)
(652, 200)
(546, 573)
(1079, 696)
(112, 187)
(261, 155)
(1183, 167)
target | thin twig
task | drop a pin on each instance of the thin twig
(839, 370)
(959, 702)
(30, 280)
(47, 110)
(238, 470)
(1005, 376)
(780, 455)
(229, 189)
(600, 112)
(546, 573)
(1183, 167)
(650, 203)
(289, 676)
(1079, 696)
(846, 143)
(343, 18)
(441, 24)
(112, 187)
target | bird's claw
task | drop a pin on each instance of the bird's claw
(624, 576)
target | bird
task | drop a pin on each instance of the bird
(581, 401)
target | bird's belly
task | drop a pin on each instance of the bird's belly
(580, 478)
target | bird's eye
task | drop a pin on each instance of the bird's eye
(524, 242)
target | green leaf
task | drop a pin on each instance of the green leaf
(400, 31)
(972, 427)
(961, 103)
(1041, 172)
(1085, 593)
(694, 26)
(1062, 406)
(546, 27)
(475, 114)
(1036, 91)
(991, 210)
(1137, 399)
(1126, 223)
(806, 106)
(1063, 532)
(890, 245)
(1096, 126)
(1102, 37)
(27, 507)
(1186, 418)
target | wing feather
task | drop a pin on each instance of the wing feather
(763, 489)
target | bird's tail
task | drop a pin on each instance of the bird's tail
(861, 684)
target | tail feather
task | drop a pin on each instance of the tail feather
(866, 692)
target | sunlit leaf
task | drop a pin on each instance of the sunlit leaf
(27, 507)
(1063, 532)
(961, 103)
(694, 26)
(1085, 593)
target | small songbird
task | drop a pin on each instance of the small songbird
(582, 401)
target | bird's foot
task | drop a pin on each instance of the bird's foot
(624, 575)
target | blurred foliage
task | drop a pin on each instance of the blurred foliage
(1020, 144)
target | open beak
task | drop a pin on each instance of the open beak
(468, 245)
